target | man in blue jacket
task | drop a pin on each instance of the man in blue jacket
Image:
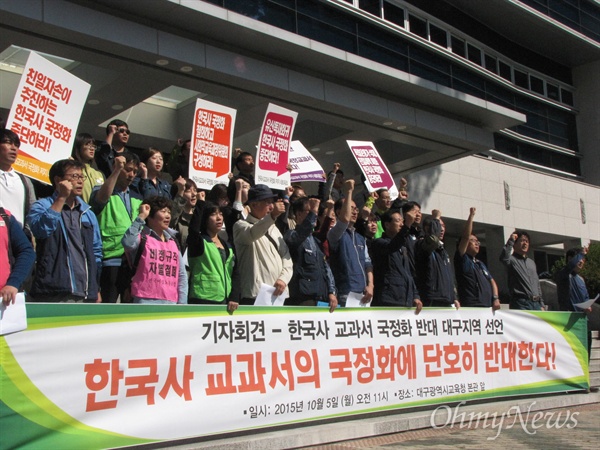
(68, 243)
(349, 256)
(312, 281)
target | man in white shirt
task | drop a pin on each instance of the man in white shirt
(16, 191)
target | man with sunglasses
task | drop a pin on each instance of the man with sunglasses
(117, 137)
(68, 243)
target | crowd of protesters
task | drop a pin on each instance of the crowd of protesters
(116, 229)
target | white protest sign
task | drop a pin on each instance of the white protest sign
(304, 165)
(45, 114)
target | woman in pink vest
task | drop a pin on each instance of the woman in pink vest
(154, 254)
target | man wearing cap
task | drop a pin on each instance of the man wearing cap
(262, 253)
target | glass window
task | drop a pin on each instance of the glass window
(288, 3)
(430, 59)
(521, 79)
(590, 25)
(327, 34)
(425, 71)
(505, 70)
(566, 163)
(566, 97)
(559, 115)
(382, 54)
(527, 104)
(418, 26)
(540, 123)
(466, 81)
(532, 132)
(370, 6)
(326, 14)
(537, 84)
(534, 155)
(505, 145)
(382, 38)
(490, 63)
(563, 8)
(474, 54)
(393, 14)
(458, 46)
(552, 91)
(438, 35)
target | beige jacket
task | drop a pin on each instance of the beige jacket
(258, 259)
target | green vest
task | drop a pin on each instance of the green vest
(114, 222)
(210, 279)
(379, 232)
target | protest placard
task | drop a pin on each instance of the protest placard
(45, 114)
(273, 147)
(377, 175)
(212, 139)
(304, 165)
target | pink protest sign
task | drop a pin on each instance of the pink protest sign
(273, 147)
(376, 173)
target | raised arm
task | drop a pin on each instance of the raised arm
(106, 190)
(466, 234)
(508, 249)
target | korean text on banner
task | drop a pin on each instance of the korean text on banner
(377, 175)
(202, 371)
(273, 147)
(304, 165)
(212, 140)
(45, 114)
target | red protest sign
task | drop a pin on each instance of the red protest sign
(273, 151)
(376, 172)
(212, 141)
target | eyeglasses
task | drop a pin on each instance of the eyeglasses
(124, 131)
(74, 176)
(91, 146)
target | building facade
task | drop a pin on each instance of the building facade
(490, 104)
